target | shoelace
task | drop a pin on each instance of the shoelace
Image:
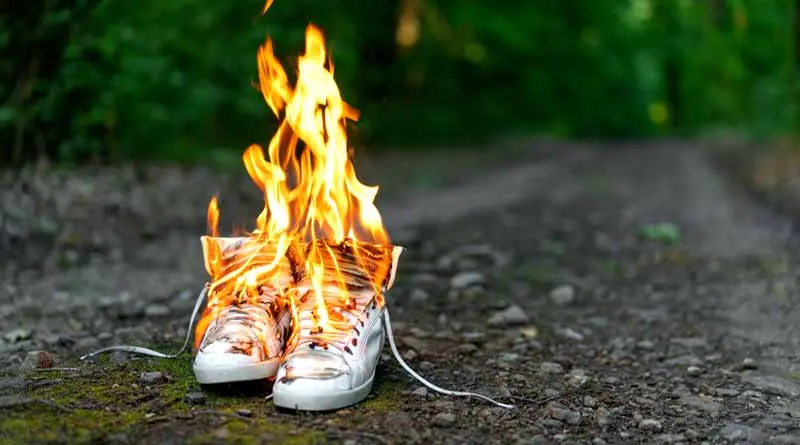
(145, 351)
(389, 334)
(341, 320)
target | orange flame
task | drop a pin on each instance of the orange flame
(316, 211)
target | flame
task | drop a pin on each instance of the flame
(319, 229)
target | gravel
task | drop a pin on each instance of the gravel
(554, 303)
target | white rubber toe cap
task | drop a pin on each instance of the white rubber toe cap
(218, 365)
(318, 381)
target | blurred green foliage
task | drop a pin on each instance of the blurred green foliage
(173, 80)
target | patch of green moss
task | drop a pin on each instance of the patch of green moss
(106, 399)
(386, 397)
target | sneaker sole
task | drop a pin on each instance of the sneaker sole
(321, 402)
(239, 373)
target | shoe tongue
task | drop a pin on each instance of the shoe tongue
(360, 265)
(222, 255)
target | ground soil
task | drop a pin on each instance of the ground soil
(615, 293)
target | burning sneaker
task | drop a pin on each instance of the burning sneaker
(246, 321)
(338, 330)
(340, 325)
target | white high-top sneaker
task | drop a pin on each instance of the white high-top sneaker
(244, 329)
(331, 358)
(330, 369)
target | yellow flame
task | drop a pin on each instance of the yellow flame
(312, 201)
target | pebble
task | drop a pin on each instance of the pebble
(510, 316)
(244, 412)
(157, 310)
(563, 295)
(589, 401)
(749, 363)
(37, 360)
(418, 296)
(444, 419)
(152, 378)
(464, 280)
(551, 368)
(421, 392)
(570, 334)
(563, 414)
(646, 345)
(17, 335)
(651, 425)
(602, 417)
(694, 371)
(466, 348)
(196, 398)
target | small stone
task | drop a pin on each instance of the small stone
(564, 415)
(496, 320)
(18, 335)
(244, 412)
(509, 357)
(694, 371)
(563, 295)
(37, 360)
(529, 332)
(602, 417)
(705, 403)
(157, 310)
(464, 280)
(466, 348)
(444, 419)
(570, 334)
(735, 432)
(421, 391)
(418, 296)
(514, 315)
(103, 336)
(152, 378)
(749, 363)
(646, 345)
(551, 368)
(589, 401)
(196, 398)
(651, 425)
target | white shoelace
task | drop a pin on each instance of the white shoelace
(389, 334)
(412, 373)
(145, 351)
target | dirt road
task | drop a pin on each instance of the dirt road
(616, 294)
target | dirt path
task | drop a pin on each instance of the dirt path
(615, 294)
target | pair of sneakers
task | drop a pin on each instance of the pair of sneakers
(276, 331)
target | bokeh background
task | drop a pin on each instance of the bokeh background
(108, 80)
